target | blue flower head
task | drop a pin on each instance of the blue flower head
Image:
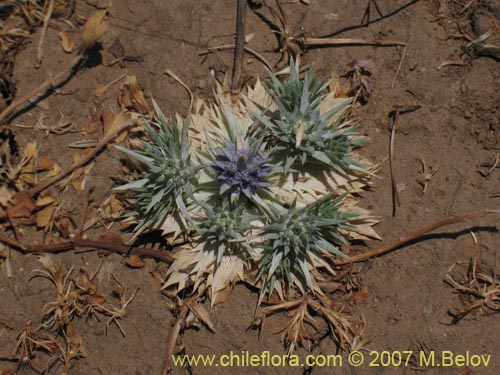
(240, 169)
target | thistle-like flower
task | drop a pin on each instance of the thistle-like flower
(167, 182)
(222, 228)
(240, 169)
(297, 240)
(289, 94)
(301, 132)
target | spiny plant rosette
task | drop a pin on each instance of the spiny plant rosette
(262, 184)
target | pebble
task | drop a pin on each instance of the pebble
(468, 114)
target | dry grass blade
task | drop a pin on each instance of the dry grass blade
(304, 313)
(479, 290)
(117, 313)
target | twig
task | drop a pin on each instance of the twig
(395, 116)
(80, 243)
(308, 42)
(42, 87)
(172, 341)
(317, 42)
(240, 44)
(246, 49)
(83, 160)
(46, 20)
(394, 245)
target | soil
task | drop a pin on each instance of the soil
(457, 129)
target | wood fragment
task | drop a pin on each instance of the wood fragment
(415, 235)
(240, 44)
(43, 32)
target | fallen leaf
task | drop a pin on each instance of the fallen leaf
(5, 195)
(66, 42)
(22, 205)
(45, 201)
(63, 226)
(135, 261)
(56, 169)
(44, 217)
(111, 121)
(132, 96)
(110, 237)
(94, 28)
(44, 163)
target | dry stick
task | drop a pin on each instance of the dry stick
(39, 52)
(395, 116)
(172, 341)
(392, 246)
(83, 160)
(79, 243)
(240, 43)
(352, 41)
(246, 49)
(45, 85)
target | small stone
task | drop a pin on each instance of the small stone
(468, 114)
(412, 65)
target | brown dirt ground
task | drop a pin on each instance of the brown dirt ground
(457, 129)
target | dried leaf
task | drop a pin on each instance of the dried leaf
(45, 216)
(112, 121)
(56, 169)
(66, 42)
(132, 96)
(22, 205)
(94, 28)
(5, 195)
(45, 201)
(44, 163)
(110, 237)
(135, 261)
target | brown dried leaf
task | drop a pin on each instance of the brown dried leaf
(94, 28)
(135, 261)
(63, 225)
(112, 121)
(5, 195)
(22, 205)
(110, 237)
(66, 42)
(56, 169)
(44, 201)
(45, 216)
(132, 96)
(44, 163)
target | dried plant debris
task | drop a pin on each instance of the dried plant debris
(262, 186)
(478, 290)
(76, 297)
(480, 46)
